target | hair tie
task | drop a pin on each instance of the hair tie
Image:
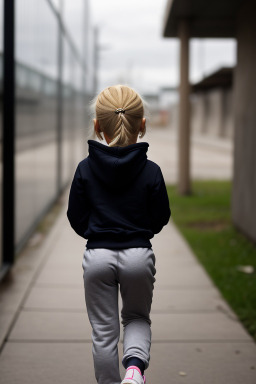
(119, 110)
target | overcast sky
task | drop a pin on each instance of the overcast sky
(134, 51)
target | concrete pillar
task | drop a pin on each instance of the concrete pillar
(184, 112)
(244, 180)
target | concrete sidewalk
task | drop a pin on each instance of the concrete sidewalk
(44, 330)
(196, 337)
(210, 157)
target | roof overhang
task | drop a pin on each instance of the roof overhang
(222, 78)
(212, 18)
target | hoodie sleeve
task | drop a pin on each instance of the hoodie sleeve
(159, 208)
(78, 205)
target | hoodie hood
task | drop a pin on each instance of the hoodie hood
(116, 167)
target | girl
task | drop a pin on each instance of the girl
(118, 201)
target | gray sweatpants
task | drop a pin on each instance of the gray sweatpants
(104, 270)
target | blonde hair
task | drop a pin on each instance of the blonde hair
(121, 128)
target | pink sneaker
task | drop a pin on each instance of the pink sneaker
(133, 376)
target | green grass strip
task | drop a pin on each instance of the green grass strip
(204, 219)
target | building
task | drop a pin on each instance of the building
(212, 104)
(43, 88)
(230, 18)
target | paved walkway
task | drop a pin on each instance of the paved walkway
(46, 336)
(211, 158)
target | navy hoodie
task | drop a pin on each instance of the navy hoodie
(118, 197)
